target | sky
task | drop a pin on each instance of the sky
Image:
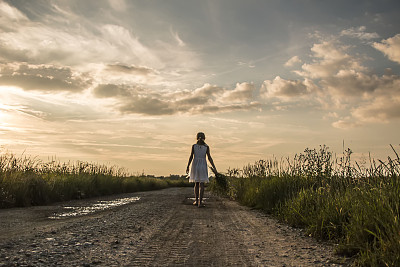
(130, 83)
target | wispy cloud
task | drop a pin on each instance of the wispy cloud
(63, 38)
(359, 33)
(177, 37)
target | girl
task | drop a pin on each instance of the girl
(199, 172)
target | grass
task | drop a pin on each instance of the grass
(26, 181)
(356, 205)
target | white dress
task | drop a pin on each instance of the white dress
(199, 171)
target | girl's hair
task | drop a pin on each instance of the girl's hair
(200, 138)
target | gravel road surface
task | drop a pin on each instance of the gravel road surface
(157, 228)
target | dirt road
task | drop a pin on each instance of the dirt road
(162, 228)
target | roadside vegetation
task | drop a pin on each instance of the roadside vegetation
(356, 205)
(26, 181)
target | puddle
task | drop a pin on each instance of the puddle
(98, 206)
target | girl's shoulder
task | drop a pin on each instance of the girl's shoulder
(200, 145)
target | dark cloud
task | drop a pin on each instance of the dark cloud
(42, 78)
(148, 106)
(130, 69)
(200, 96)
(206, 99)
(110, 90)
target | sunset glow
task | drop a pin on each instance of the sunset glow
(130, 83)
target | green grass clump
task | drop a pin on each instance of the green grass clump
(355, 206)
(27, 181)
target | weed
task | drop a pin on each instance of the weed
(26, 181)
(352, 204)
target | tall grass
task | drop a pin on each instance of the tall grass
(26, 181)
(355, 205)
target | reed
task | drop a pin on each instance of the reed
(353, 204)
(26, 181)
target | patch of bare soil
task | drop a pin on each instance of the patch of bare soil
(163, 228)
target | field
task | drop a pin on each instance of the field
(27, 181)
(352, 204)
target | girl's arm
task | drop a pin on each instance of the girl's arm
(210, 158)
(190, 159)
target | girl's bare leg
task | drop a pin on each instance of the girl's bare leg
(201, 193)
(196, 192)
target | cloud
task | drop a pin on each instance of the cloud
(292, 61)
(48, 107)
(206, 99)
(338, 80)
(118, 5)
(242, 92)
(329, 58)
(287, 89)
(109, 90)
(226, 108)
(123, 42)
(178, 39)
(383, 105)
(10, 16)
(380, 109)
(147, 105)
(129, 69)
(339, 73)
(345, 123)
(46, 78)
(351, 83)
(390, 47)
(106, 46)
(359, 33)
(79, 42)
